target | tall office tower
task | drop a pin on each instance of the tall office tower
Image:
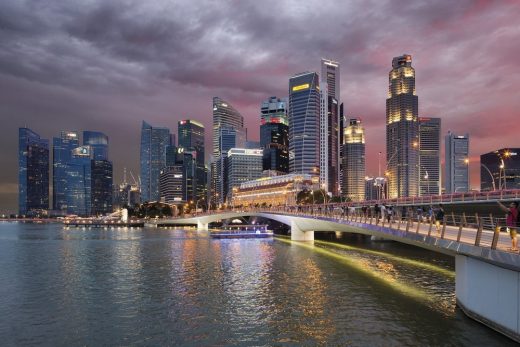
(229, 137)
(274, 135)
(62, 153)
(98, 142)
(429, 156)
(191, 138)
(324, 143)
(500, 169)
(304, 124)
(171, 181)
(154, 141)
(330, 81)
(101, 176)
(402, 130)
(33, 173)
(342, 125)
(456, 178)
(79, 181)
(354, 161)
(242, 165)
(224, 115)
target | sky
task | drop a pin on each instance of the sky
(108, 65)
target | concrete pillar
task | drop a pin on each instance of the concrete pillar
(299, 235)
(489, 294)
(202, 226)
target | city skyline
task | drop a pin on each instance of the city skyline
(41, 99)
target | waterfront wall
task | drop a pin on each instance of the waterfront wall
(489, 294)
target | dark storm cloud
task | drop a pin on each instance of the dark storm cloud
(106, 65)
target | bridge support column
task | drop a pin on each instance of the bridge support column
(299, 235)
(489, 294)
(202, 226)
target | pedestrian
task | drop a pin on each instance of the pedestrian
(383, 212)
(377, 212)
(511, 222)
(389, 212)
(419, 214)
(439, 216)
(430, 214)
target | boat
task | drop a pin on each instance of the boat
(242, 232)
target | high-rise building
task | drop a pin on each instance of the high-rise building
(330, 84)
(229, 138)
(304, 124)
(154, 141)
(500, 169)
(171, 182)
(62, 154)
(342, 125)
(98, 142)
(79, 182)
(224, 116)
(33, 173)
(274, 135)
(429, 156)
(242, 165)
(456, 178)
(101, 176)
(402, 130)
(191, 138)
(354, 161)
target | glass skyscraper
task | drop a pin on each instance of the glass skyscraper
(98, 142)
(456, 178)
(79, 185)
(33, 174)
(429, 156)
(330, 84)
(274, 135)
(191, 138)
(304, 124)
(62, 154)
(354, 161)
(154, 141)
(402, 130)
(101, 184)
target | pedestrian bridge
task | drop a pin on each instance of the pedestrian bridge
(487, 273)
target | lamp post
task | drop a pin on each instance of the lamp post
(490, 175)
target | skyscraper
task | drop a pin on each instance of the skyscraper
(224, 116)
(330, 82)
(402, 130)
(242, 165)
(354, 161)
(229, 138)
(98, 142)
(171, 181)
(33, 173)
(79, 181)
(62, 154)
(429, 156)
(500, 169)
(456, 178)
(191, 138)
(101, 176)
(274, 135)
(304, 124)
(154, 141)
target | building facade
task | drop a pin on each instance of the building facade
(33, 173)
(62, 154)
(242, 165)
(274, 135)
(304, 124)
(354, 160)
(98, 142)
(456, 178)
(171, 182)
(101, 176)
(275, 191)
(500, 169)
(429, 156)
(229, 138)
(330, 84)
(402, 130)
(154, 142)
(79, 182)
(191, 138)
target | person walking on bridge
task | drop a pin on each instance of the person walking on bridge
(439, 216)
(511, 222)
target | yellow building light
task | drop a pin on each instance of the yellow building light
(300, 87)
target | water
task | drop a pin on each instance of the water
(179, 287)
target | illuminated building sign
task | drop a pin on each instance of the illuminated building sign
(300, 87)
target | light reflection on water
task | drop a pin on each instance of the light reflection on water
(174, 287)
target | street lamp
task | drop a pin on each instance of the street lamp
(491, 175)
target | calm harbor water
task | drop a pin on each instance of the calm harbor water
(155, 287)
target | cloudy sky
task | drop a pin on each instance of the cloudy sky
(108, 65)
